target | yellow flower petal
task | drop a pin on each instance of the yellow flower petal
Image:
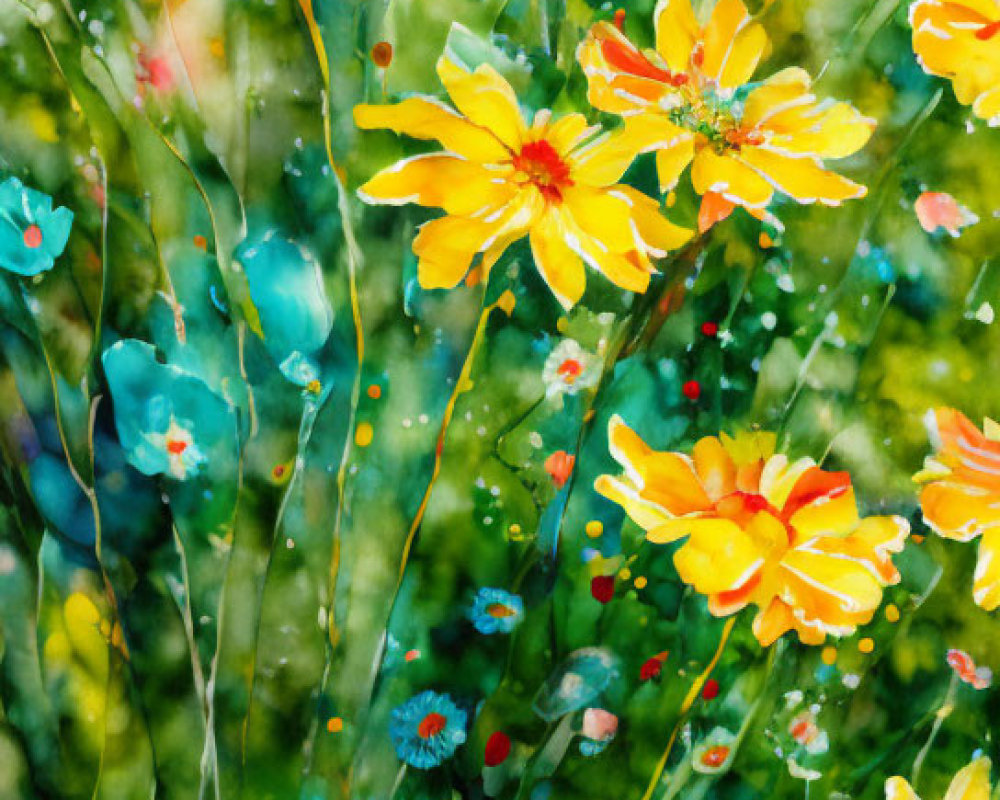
(446, 247)
(897, 788)
(715, 467)
(558, 265)
(728, 176)
(959, 511)
(666, 480)
(603, 161)
(834, 514)
(729, 18)
(428, 118)
(971, 782)
(486, 99)
(986, 585)
(802, 179)
(834, 131)
(717, 557)
(672, 160)
(784, 91)
(443, 181)
(677, 30)
(601, 216)
(620, 78)
(658, 234)
(745, 53)
(567, 132)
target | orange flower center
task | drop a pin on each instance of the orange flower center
(499, 610)
(738, 137)
(715, 756)
(543, 167)
(176, 446)
(988, 31)
(570, 370)
(32, 237)
(431, 725)
(803, 731)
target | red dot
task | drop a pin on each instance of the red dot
(32, 237)
(711, 689)
(692, 390)
(602, 587)
(709, 328)
(497, 749)
(650, 669)
(382, 54)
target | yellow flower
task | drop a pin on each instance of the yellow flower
(961, 41)
(500, 179)
(970, 783)
(785, 536)
(961, 496)
(742, 147)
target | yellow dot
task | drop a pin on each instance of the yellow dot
(216, 47)
(562, 324)
(335, 724)
(892, 613)
(829, 656)
(671, 199)
(514, 529)
(866, 645)
(765, 241)
(625, 574)
(640, 582)
(364, 434)
(594, 528)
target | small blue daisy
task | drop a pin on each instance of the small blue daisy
(427, 729)
(496, 611)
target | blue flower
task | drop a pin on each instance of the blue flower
(496, 611)
(32, 234)
(427, 729)
(169, 421)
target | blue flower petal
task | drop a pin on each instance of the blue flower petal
(21, 208)
(152, 399)
(286, 287)
(426, 751)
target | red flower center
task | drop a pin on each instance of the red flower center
(431, 725)
(715, 756)
(544, 168)
(176, 446)
(32, 237)
(499, 610)
(988, 31)
(570, 369)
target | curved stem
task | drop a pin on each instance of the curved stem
(686, 705)
(461, 385)
(943, 712)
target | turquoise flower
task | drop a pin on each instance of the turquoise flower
(32, 234)
(496, 611)
(169, 421)
(427, 729)
(286, 287)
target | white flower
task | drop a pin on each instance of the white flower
(714, 753)
(570, 369)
